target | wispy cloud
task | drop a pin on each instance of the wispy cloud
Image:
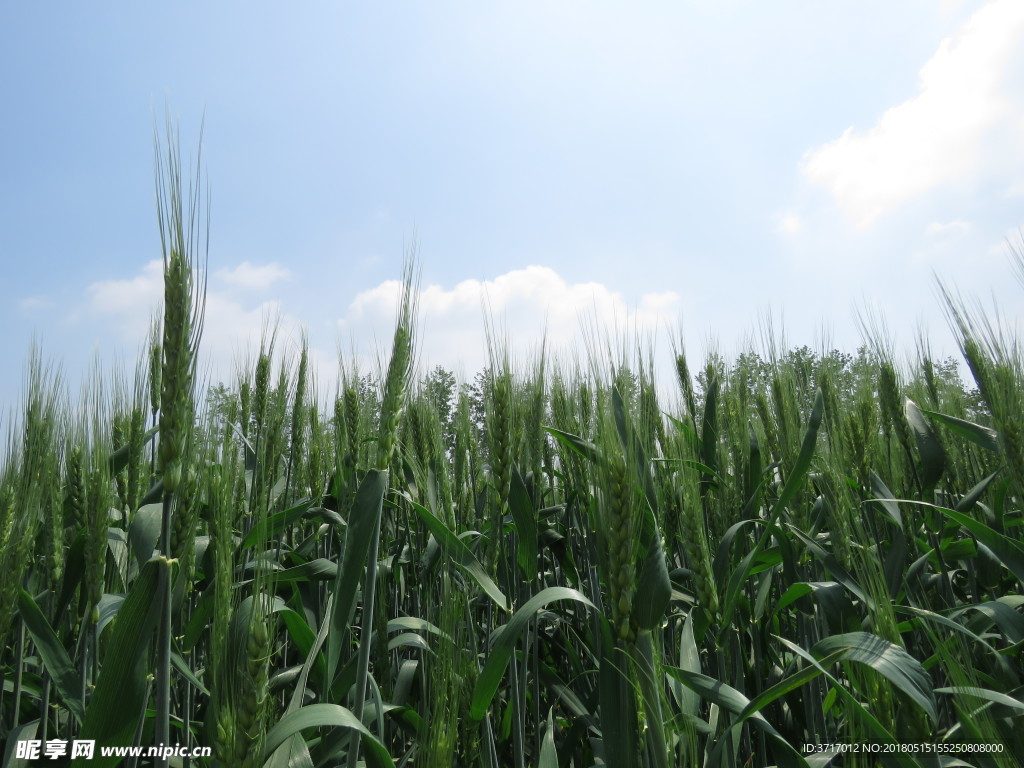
(955, 227)
(252, 277)
(948, 131)
(790, 224)
(35, 303)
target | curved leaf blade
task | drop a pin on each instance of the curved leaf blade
(933, 456)
(501, 652)
(986, 437)
(321, 716)
(460, 553)
(113, 713)
(362, 523)
(55, 658)
(888, 659)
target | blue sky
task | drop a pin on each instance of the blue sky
(686, 168)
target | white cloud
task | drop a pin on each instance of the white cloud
(955, 227)
(135, 300)
(790, 224)
(252, 277)
(137, 296)
(33, 303)
(526, 304)
(231, 328)
(959, 124)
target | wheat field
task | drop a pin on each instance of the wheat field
(798, 558)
